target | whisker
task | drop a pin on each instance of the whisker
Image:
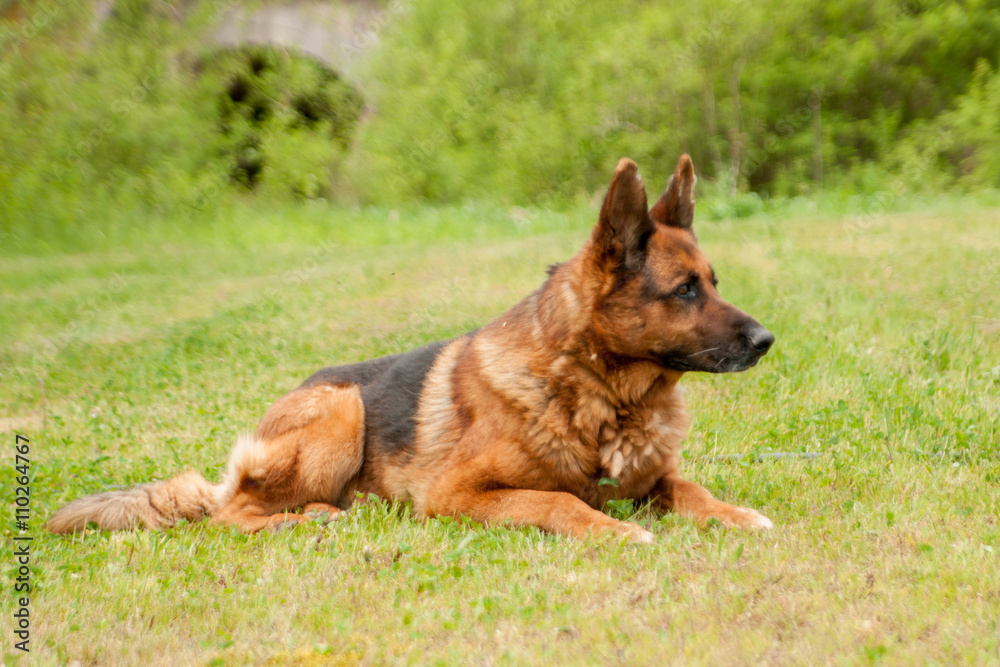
(711, 349)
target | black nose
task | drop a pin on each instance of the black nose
(760, 338)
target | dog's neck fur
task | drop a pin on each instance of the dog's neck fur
(566, 306)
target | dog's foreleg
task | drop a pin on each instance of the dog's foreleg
(694, 501)
(552, 511)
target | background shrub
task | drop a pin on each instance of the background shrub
(133, 118)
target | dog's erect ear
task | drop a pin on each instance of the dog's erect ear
(623, 227)
(675, 207)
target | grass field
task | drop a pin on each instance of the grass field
(154, 354)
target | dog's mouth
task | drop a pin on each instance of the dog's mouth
(714, 360)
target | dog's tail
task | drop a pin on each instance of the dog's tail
(157, 504)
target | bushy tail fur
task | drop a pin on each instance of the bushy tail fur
(157, 504)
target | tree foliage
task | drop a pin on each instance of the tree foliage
(534, 100)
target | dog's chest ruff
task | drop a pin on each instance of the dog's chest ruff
(632, 445)
(573, 426)
(636, 442)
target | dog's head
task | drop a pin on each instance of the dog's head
(658, 299)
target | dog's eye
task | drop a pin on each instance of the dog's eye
(685, 290)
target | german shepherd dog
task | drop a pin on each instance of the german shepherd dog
(515, 423)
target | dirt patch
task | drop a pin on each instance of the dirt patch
(990, 327)
(31, 422)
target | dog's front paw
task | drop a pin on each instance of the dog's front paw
(744, 517)
(635, 533)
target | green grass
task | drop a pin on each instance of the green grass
(155, 352)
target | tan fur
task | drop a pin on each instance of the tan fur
(155, 505)
(516, 424)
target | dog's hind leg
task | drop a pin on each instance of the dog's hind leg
(307, 448)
